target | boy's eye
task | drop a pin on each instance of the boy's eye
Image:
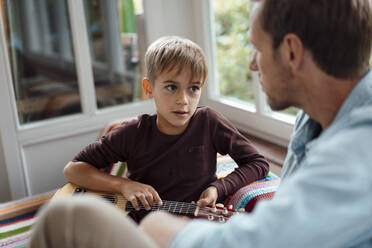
(194, 88)
(171, 87)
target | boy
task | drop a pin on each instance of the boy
(170, 155)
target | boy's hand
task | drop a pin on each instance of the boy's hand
(135, 191)
(208, 197)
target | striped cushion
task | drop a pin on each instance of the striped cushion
(16, 218)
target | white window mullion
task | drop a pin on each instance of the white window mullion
(9, 124)
(111, 30)
(82, 57)
(45, 27)
(32, 30)
(65, 49)
(204, 24)
(259, 96)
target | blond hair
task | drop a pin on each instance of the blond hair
(173, 53)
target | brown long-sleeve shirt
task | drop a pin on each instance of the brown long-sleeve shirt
(180, 166)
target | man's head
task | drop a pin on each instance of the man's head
(337, 32)
(176, 73)
(335, 35)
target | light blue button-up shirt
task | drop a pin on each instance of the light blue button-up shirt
(325, 196)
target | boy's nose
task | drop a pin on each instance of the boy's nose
(182, 98)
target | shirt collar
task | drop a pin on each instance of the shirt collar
(360, 95)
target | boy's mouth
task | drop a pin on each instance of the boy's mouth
(178, 112)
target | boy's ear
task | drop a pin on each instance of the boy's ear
(146, 85)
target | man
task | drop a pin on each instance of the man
(312, 54)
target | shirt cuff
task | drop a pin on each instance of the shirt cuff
(221, 190)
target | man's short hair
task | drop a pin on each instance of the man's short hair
(175, 53)
(337, 32)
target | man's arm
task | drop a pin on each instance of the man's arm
(161, 227)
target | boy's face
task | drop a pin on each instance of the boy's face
(176, 99)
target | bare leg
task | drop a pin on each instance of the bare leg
(85, 222)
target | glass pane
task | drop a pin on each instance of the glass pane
(290, 111)
(112, 26)
(42, 60)
(233, 48)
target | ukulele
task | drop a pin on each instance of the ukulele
(219, 213)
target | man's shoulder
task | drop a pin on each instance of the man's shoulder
(361, 115)
(354, 131)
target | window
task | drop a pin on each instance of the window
(113, 47)
(62, 80)
(235, 79)
(42, 53)
(42, 59)
(233, 89)
(233, 49)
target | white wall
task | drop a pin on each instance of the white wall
(54, 156)
(169, 17)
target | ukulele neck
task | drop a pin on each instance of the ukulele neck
(181, 208)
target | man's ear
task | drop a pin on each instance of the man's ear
(293, 49)
(146, 85)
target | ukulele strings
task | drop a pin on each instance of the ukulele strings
(175, 207)
(170, 206)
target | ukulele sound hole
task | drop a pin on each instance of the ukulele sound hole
(79, 190)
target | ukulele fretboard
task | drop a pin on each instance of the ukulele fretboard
(182, 208)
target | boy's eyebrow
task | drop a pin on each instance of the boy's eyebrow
(170, 81)
(175, 82)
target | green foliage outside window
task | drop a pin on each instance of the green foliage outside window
(233, 48)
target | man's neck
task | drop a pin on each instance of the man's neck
(325, 97)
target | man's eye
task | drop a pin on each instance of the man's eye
(194, 88)
(171, 87)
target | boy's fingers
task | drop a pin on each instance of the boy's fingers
(144, 202)
(134, 202)
(150, 198)
(156, 197)
(208, 201)
(202, 202)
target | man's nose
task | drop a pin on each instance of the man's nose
(253, 64)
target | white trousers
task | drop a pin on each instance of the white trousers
(86, 221)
